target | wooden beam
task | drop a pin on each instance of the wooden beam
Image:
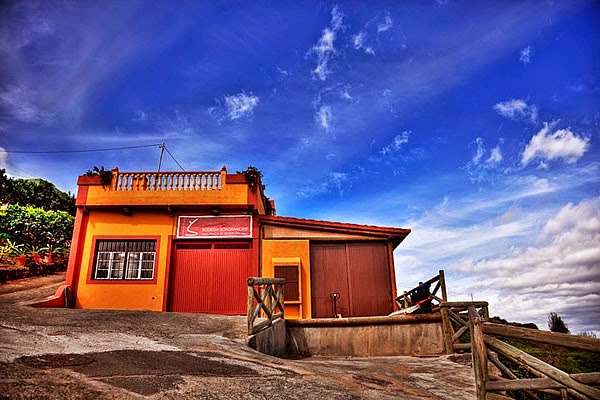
(478, 352)
(542, 383)
(497, 396)
(459, 333)
(461, 346)
(465, 304)
(547, 369)
(559, 339)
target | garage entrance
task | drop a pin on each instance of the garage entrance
(356, 274)
(210, 277)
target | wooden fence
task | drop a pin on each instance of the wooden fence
(485, 346)
(406, 300)
(265, 302)
(456, 312)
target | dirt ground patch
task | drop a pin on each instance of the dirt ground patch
(107, 354)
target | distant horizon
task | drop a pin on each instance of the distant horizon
(475, 124)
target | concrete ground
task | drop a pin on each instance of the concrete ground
(81, 354)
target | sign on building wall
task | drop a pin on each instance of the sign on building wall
(227, 226)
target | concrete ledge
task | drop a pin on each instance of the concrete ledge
(410, 335)
(380, 320)
(271, 340)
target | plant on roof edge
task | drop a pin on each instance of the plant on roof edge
(253, 176)
(105, 175)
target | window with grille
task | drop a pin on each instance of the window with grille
(125, 259)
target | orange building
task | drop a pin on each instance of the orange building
(188, 241)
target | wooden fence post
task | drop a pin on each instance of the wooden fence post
(447, 330)
(443, 285)
(250, 308)
(478, 352)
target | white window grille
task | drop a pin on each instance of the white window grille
(125, 259)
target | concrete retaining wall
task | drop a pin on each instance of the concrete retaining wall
(271, 340)
(411, 335)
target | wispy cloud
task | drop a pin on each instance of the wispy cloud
(358, 41)
(324, 49)
(240, 105)
(396, 144)
(234, 106)
(3, 158)
(480, 168)
(337, 182)
(386, 24)
(324, 117)
(140, 116)
(525, 55)
(517, 109)
(562, 144)
(21, 104)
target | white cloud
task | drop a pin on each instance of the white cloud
(386, 24)
(337, 18)
(396, 144)
(324, 49)
(140, 116)
(358, 41)
(324, 117)
(584, 216)
(525, 55)
(21, 104)
(517, 109)
(495, 156)
(335, 182)
(240, 105)
(3, 158)
(345, 93)
(561, 274)
(562, 144)
(479, 151)
(482, 169)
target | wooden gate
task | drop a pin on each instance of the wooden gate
(358, 272)
(210, 278)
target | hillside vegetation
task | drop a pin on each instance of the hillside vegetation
(36, 225)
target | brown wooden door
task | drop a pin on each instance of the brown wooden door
(328, 274)
(359, 272)
(369, 279)
(210, 278)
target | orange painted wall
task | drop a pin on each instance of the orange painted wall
(131, 294)
(289, 249)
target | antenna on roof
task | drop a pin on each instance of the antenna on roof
(162, 150)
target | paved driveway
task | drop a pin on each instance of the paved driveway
(104, 354)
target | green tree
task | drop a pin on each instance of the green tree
(556, 324)
(34, 192)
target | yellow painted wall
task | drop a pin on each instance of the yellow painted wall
(281, 249)
(133, 294)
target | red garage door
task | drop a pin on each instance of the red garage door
(358, 273)
(210, 278)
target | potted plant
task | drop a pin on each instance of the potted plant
(96, 176)
(253, 176)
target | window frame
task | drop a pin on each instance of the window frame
(128, 259)
(279, 262)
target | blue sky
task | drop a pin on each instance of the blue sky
(476, 124)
